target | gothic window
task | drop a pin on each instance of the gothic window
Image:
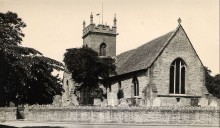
(102, 49)
(120, 93)
(136, 86)
(119, 84)
(67, 83)
(177, 76)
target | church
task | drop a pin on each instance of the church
(165, 71)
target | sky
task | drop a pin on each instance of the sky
(56, 25)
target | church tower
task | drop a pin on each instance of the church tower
(100, 38)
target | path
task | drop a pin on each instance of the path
(28, 124)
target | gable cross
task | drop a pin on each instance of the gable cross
(179, 20)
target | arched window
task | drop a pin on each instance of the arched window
(67, 83)
(136, 86)
(102, 51)
(120, 93)
(177, 76)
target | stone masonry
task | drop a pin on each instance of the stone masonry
(94, 36)
(181, 47)
(154, 80)
(154, 83)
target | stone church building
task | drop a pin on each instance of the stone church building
(165, 71)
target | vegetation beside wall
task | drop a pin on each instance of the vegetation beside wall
(212, 83)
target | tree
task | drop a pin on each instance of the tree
(208, 80)
(216, 84)
(88, 69)
(10, 28)
(26, 75)
(212, 83)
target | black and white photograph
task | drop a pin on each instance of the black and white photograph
(109, 64)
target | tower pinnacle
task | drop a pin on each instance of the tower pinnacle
(84, 24)
(91, 18)
(115, 20)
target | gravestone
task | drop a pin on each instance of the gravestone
(123, 103)
(194, 102)
(57, 100)
(97, 102)
(184, 102)
(157, 102)
(104, 103)
(203, 102)
(213, 103)
(73, 100)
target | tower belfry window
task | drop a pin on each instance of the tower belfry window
(102, 49)
(177, 76)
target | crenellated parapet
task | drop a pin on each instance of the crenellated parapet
(100, 28)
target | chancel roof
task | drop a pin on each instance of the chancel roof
(143, 56)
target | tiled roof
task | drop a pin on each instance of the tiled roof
(143, 56)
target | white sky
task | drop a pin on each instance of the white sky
(55, 25)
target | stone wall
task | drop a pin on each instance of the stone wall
(143, 82)
(8, 114)
(126, 85)
(155, 82)
(128, 89)
(69, 86)
(138, 115)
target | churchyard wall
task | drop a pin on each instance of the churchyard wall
(208, 116)
(7, 114)
(204, 116)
